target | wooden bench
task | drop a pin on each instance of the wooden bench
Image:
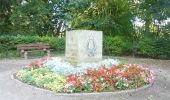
(25, 48)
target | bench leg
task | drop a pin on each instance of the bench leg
(48, 53)
(22, 53)
(25, 54)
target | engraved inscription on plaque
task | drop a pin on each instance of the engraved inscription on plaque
(91, 46)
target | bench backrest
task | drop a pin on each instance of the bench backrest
(37, 46)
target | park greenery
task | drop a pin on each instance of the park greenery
(31, 21)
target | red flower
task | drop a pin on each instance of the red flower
(99, 87)
(125, 74)
(114, 68)
(110, 80)
(106, 75)
(38, 63)
(77, 84)
(101, 71)
(71, 78)
(115, 73)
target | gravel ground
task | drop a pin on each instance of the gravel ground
(10, 89)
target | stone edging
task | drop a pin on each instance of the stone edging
(85, 94)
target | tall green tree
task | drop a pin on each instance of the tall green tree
(151, 11)
(36, 16)
(160, 13)
(111, 16)
(5, 12)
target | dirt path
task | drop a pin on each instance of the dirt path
(11, 89)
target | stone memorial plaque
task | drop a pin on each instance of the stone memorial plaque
(83, 46)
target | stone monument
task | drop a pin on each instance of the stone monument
(83, 46)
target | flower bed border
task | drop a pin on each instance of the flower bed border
(92, 93)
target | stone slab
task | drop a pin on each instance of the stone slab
(84, 46)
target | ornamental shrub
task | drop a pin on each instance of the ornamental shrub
(155, 48)
(130, 47)
(58, 44)
(113, 45)
(162, 48)
(10, 42)
(145, 47)
(6, 43)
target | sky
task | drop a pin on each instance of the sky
(138, 22)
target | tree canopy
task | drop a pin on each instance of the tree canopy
(113, 17)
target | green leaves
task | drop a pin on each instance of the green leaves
(5, 13)
(31, 17)
(35, 17)
(105, 15)
(113, 45)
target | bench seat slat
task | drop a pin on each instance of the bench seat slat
(24, 48)
(32, 46)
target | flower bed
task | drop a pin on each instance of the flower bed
(42, 77)
(105, 76)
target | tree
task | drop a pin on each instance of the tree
(160, 13)
(5, 12)
(152, 11)
(111, 16)
(36, 16)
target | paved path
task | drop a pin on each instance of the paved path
(10, 89)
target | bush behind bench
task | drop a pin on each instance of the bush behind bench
(10, 42)
(145, 47)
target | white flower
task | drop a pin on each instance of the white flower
(23, 2)
(31, 16)
(54, 13)
(126, 84)
(58, 65)
(49, 1)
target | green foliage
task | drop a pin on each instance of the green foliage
(31, 17)
(114, 17)
(145, 46)
(113, 45)
(8, 43)
(129, 48)
(111, 16)
(35, 17)
(121, 84)
(162, 48)
(58, 44)
(5, 13)
(155, 48)
(153, 12)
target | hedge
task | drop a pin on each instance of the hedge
(10, 42)
(154, 48)
(147, 47)
(113, 45)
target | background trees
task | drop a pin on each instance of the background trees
(42, 17)
(154, 13)
(114, 17)
(111, 16)
(118, 19)
(5, 12)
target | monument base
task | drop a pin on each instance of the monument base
(83, 46)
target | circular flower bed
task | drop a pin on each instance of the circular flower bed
(108, 75)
